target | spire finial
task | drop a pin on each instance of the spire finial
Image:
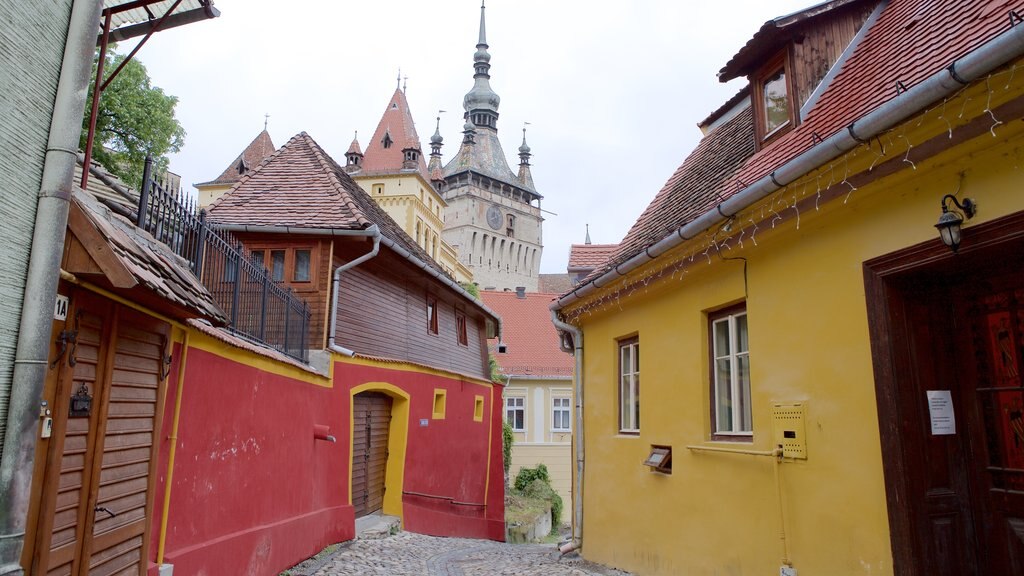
(266, 118)
(483, 29)
(399, 85)
(405, 82)
(587, 241)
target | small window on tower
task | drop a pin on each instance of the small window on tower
(387, 141)
(511, 229)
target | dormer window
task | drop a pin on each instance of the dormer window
(387, 141)
(773, 100)
(411, 155)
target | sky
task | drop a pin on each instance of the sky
(612, 92)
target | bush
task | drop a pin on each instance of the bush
(507, 438)
(526, 476)
(536, 483)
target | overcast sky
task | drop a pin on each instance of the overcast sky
(612, 90)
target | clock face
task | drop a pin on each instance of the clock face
(494, 217)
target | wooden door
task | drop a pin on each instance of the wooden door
(990, 315)
(371, 421)
(98, 496)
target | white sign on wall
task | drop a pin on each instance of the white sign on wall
(60, 312)
(940, 408)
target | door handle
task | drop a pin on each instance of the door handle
(104, 509)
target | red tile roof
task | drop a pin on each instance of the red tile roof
(301, 186)
(589, 256)
(250, 158)
(533, 345)
(911, 40)
(554, 283)
(396, 123)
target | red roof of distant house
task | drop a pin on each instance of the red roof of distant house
(554, 283)
(589, 256)
(301, 186)
(910, 40)
(533, 345)
(249, 159)
(397, 128)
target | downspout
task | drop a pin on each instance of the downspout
(576, 350)
(970, 67)
(371, 232)
(29, 374)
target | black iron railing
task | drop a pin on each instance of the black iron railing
(257, 307)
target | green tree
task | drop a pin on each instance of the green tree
(135, 118)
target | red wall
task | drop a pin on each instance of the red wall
(253, 493)
(447, 462)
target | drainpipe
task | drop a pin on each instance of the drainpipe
(995, 53)
(371, 232)
(34, 333)
(576, 349)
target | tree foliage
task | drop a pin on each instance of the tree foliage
(135, 118)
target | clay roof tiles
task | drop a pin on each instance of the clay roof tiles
(589, 256)
(397, 125)
(300, 186)
(261, 147)
(910, 40)
(533, 345)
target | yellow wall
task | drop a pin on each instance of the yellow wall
(210, 192)
(558, 459)
(718, 513)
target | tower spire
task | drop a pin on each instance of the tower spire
(481, 103)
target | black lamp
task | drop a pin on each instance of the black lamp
(949, 222)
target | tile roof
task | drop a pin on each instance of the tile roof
(398, 125)
(589, 256)
(301, 186)
(150, 262)
(911, 40)
(485, 156)
(554, 283)
(533, 344)
(250, 158)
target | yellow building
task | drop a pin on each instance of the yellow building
(828, 387)
(395, 174)
(538, 386)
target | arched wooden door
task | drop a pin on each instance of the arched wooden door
(97, 495)
(371, 420)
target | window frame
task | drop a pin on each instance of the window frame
(520, 409)
(763, 136)
(432, 311)
(555, 409)
(629, 343)
(736, 386)
(288, 270)
(461, 329)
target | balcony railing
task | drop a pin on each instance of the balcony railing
(257, 307)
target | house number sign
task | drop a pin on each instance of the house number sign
(81, 402)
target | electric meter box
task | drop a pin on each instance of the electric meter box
(789, 430)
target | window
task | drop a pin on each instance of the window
(387, 141)
(440, 400)
(431, 314)
(510, 229)
(561, 414)
(515, 413)
(378, 189)
(730, 374)
(257, 257)
(460, 328)
(629, 385)
(301, 271)
(773, 105)
(277, 265)
(478, 408)
(660, 459)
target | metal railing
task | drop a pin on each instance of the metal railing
(257, 307)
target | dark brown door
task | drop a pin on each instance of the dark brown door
(371, 421)
(990, 322)
(98, 494)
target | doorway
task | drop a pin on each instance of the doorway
(947, 335)
(371, 422)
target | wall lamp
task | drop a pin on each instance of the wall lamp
(949, 222)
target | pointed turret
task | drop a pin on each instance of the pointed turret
(524, 162)
(481, 103)
(354, 156)
(395, 146)
(248, 160)
(436, 142)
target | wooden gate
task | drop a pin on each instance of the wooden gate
(371, 419)
(97, 493)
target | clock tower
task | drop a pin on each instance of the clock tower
(493, 216)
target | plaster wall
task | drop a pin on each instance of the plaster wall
(809, 342)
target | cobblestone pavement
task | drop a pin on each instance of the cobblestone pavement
(408, 554)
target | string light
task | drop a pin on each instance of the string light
(787, 197)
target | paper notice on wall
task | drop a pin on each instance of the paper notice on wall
(940, 408)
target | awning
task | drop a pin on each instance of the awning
(129, 19)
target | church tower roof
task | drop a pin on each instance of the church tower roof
(395, 146)
(250, 158)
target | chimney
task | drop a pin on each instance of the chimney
(521, 292)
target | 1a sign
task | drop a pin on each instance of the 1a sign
(60, 312)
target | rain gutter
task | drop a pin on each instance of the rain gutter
(575, 347)
(996, 52)
(33, 348)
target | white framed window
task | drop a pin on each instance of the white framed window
(629, 386)
(515, 412)
(730, 374)
(561, 414)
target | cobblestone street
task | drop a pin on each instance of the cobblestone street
(408, 554)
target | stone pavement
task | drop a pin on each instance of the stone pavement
(408, 554)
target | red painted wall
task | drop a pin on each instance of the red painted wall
(448, 461)
(253, 493)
